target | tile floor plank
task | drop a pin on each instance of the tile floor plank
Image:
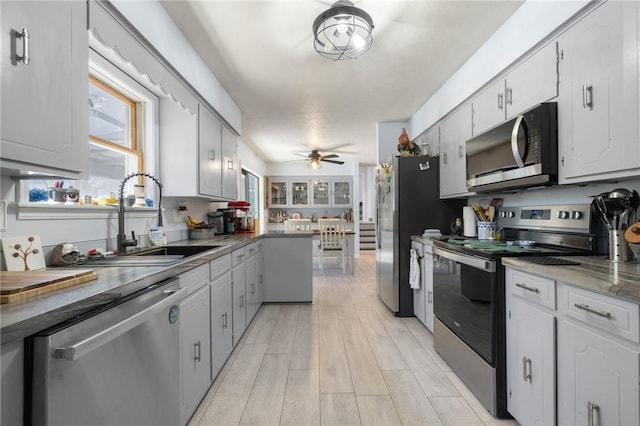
(302, 399)
(455, 411)
(305, 344)
(339, 409)
(335, 376)
(412, 404)
(264, 406)
(377, 410)
(284, 332)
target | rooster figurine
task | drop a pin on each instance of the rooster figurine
(406, 148)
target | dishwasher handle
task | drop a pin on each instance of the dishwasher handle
(91, 343)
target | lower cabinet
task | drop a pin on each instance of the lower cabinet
(596, 354)
(221, 321)
(238, 275)
(195, 341)
(251, 283)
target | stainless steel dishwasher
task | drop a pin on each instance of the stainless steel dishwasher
(116, 365)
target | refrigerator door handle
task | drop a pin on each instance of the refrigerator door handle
(424, 166)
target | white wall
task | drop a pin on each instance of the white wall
(387, 134)
(530, 24)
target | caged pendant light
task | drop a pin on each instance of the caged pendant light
(342, 31)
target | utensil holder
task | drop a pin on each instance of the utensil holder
(486, 230)
(619, 250)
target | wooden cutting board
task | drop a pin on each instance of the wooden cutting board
(19, 285)
(632, 234)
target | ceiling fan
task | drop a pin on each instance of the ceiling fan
(315, 157)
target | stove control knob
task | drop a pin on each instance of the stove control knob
(511, 214)
(576, 214)
(503, 214)
(563, 214)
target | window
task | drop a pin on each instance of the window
(250, 191)
(121, 137)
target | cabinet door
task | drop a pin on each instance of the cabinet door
(230, 165)
(454, 132)
(209, 153)
(598, 103)
(250, 287)
(597, 377)
(259, 274)
(531, 365)
(428, 290)
(196, 350)
(320, 193)
(44, 103)
(239, 302)
(299, 192)
(533, 81)
(221, 322)
(278, 193)
(488, 108)
(341, 193)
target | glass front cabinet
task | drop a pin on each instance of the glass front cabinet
(309, 192)
(278, 193)
(341, 193)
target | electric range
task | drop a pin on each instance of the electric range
(469, 289)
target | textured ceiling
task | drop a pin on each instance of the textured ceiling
(292, 99)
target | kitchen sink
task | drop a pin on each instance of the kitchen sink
(159, 256)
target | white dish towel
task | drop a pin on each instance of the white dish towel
(414, 271)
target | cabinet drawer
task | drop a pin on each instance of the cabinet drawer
(612, 315)
(534, 288)
(259, 245)
(238, 256)
(219, 266)
(250, 249)
(195, 278)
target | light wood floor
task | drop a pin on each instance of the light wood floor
(343, 360)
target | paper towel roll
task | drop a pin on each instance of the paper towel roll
(470, 228)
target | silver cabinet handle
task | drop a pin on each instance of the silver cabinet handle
(224, 320)
(525, 287)
(584, 307)
(509, 96)
(212, 155)
(253, 288)
(240, 256)
(460, 148)
(591, 408)
(444, 158)
(24, 35)
(241, 301)
(526, 369)
(500, 99)
(429, 297)
(514, 141)
(108, 334)
(196, 351)
(587, 96)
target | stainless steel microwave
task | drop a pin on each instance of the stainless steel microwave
(520, 153)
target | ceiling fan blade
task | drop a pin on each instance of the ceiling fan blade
(332, 161)
(301, 155)
(331, 156)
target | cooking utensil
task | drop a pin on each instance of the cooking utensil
(632, 234)
(601, 208)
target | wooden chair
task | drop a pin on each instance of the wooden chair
(293, 225)
(332, 241)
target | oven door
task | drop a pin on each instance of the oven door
(464, 295)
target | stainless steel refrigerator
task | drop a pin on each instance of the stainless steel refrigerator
(408, 202)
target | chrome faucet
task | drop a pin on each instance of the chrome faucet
(122, 240)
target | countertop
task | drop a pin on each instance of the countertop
(595, 273)
(23, 318)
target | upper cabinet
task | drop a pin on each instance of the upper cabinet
(533, 81)
(310, 192)
(454, 131)
(598, 101)
(44, 87)
(198, 154)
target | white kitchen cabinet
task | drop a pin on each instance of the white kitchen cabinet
(341, 193)
(428, 286)
(300, 193)
(44, 122)
(230, 165)
(259, 272)
(201, 140)
(288, 270)
(195, 340)
(531, 82)
(598, 97)
(278, 192)
(250, 282)
(598, 358)
(531, 348)
(11, 397)
(308, 191)
(238, 275)
(321, 192)
(221, 285)
(597, 378)
(454, 131)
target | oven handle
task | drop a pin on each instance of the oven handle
(474, 262)
(91, 343)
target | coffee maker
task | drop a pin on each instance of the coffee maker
(230, 224)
